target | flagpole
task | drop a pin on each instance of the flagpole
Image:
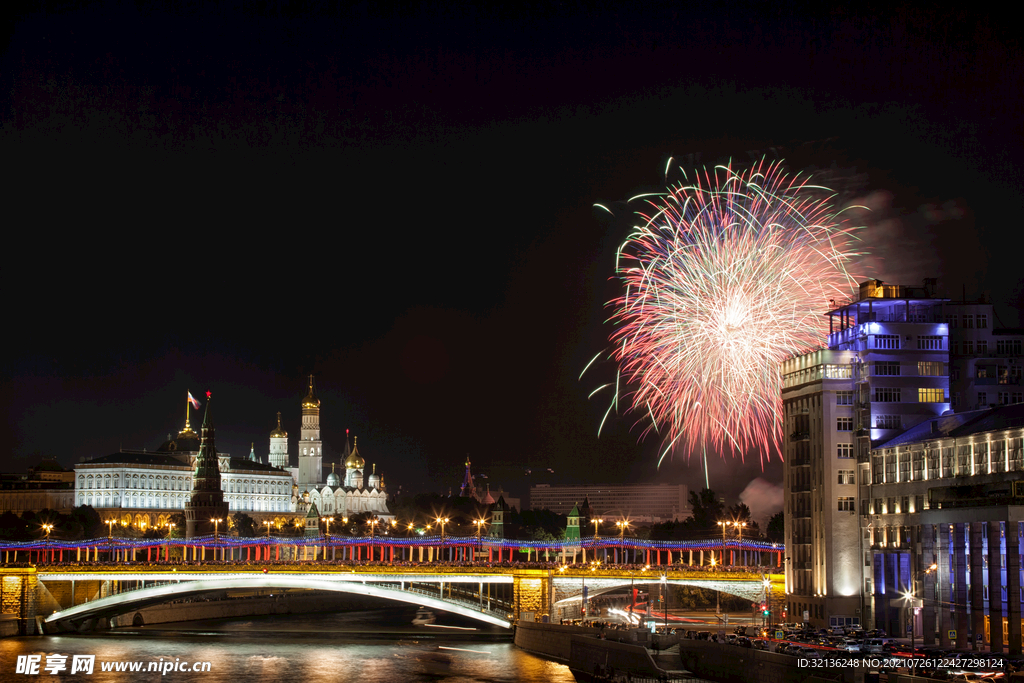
(188, 403)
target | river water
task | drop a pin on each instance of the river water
(369, 647)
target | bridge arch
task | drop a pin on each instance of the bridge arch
(122, 603)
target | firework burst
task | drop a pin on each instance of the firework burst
(724, 279)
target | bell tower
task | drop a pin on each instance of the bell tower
(310, 446)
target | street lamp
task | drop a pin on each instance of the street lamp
(442, 521)
(327, 521)
(911, 597)
(372, 522)
(596, 523)
(170, 529)
(47, 528)
(664, 598)
(110, 528)
(216, 528)
(479, 526)
(269, 524)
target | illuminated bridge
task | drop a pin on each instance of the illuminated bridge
(120, 576)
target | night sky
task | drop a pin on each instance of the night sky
(400, 201)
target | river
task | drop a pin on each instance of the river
(367, 646)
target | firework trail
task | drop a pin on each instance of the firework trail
(725, 278)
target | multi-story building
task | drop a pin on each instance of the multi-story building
(948, 494)
(896, 357)
(884, 371)
(638, 502)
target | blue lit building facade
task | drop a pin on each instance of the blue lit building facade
(885, 369)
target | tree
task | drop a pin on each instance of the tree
(244, 525)
(777, 527)
(705, 512)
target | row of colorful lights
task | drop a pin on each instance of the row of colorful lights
(393, 541)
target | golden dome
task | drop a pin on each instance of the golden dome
(310, 401)
(354, 461)
(278, 433)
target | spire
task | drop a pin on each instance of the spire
(207, 498)
(311, 401)
(468, 489)
(252, 452)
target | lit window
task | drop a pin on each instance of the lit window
(838, 372)
(934, 395)
(931, 368)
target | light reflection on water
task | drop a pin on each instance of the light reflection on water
(312, 648)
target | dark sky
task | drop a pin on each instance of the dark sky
(400, 201)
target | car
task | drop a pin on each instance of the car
(731, 639)
(743, 641)
(850, 645)
(760, 644)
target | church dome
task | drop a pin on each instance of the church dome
(333, 479)
(278, 433)
(354, 461)
(310, 401)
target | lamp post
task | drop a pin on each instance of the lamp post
(170, 529)
(664, 598)
(110, 528)
(372, 522)
(911, 597)
(479, 527)
(596, 522)
(268, 524)
(216, 529)
(327, 521)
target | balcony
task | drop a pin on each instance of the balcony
(801, 540)
(800, 488)
(800, 461)
(799, 436)
(802, 513)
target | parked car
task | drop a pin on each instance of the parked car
(760, 644)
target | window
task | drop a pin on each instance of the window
(887, 368)
(931, 395)
(887, 395)
(887, 341)
(929, 343)
(951, 321)
(931, 369)
(846, 477)
(846, 504)
(956, 399)
(838, 372)
(887, 422)
(982, 398)
(1008, 347)
(844, 424)
(981, 321)
(982, 346)
(968, 348)
(1004, 397)
(844, 450)
(968, 321)
(954, 348)
(954, 374)
(844, 398)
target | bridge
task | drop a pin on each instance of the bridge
(76, 586)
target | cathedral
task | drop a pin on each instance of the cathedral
(329, 495)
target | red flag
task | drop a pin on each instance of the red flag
(193, 401)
